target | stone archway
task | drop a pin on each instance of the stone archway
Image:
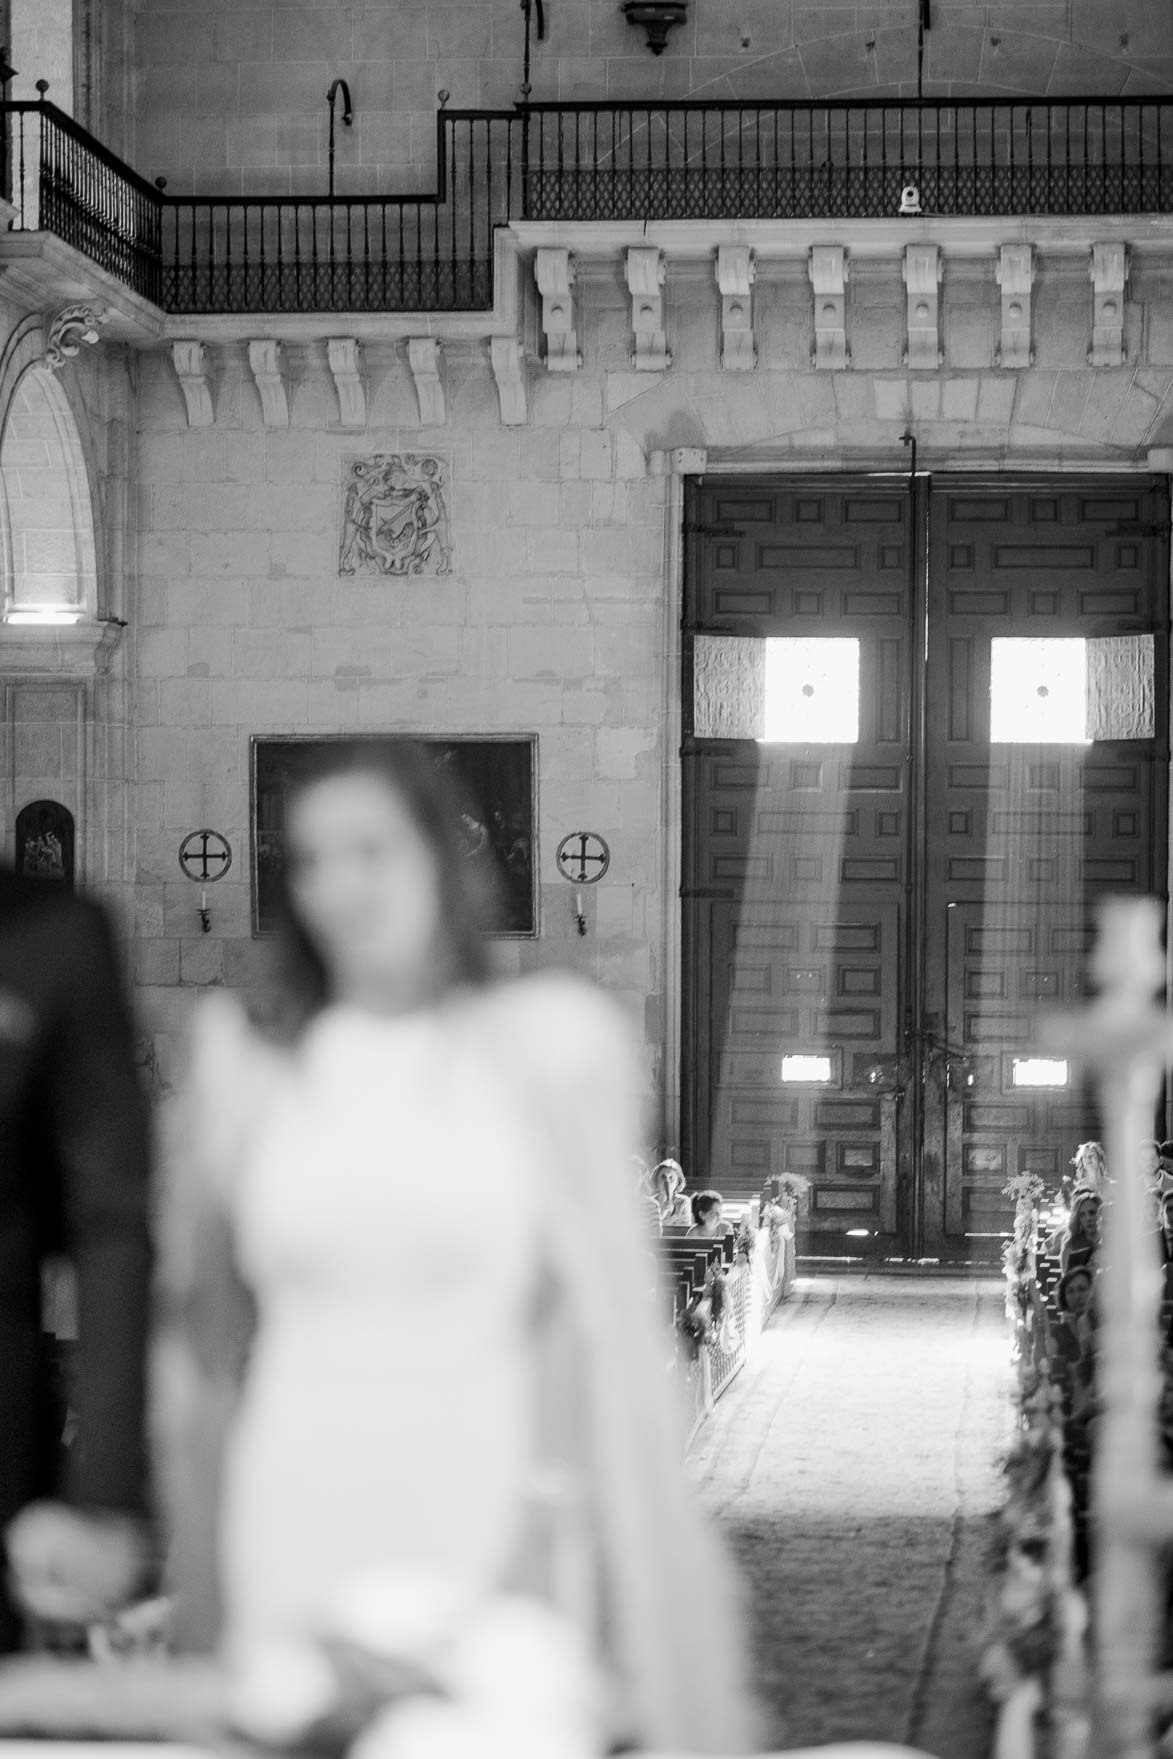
(63, 713)
(49, 554)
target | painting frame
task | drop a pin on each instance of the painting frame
(497, 770)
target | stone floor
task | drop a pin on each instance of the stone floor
(855, 1466)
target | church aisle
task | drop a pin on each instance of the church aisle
(855, 1467)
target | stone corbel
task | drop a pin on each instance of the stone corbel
(345, 360)
(554, 272)
(922, 278)
(827, 267)
(423, 357)
(72, 326)
(508, 364)
(736, 271)
(646, 271)
(190, 360)
(1109, 273)
(267, 361)
(1015, 275)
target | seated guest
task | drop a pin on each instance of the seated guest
(1165, 1245)
(1148, 1162)
(1165, 1170)
(1073, 1333)
(668, 1189)
(1091, 1167)
(1082, 1239)
(1165, 1228)
(707, 1220)
(649, 1206)
(1089, 1172)
(1165, 1408)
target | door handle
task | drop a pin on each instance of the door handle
(887, 1075)
(959, 1075)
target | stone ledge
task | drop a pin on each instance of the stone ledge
(505, 318)
(38, 271)
(58, 650)
(782, 240)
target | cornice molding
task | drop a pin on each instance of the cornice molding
(58, 650)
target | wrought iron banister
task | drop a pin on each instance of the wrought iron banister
(695, 159)
(60, 180)
(361, 253)
(688, 160)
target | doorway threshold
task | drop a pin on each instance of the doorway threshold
(814, 1264)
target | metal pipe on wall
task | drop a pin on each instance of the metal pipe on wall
(338, 85)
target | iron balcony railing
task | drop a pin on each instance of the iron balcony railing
(359, 253)
(577, 162)
(60, 180)
(810, 161)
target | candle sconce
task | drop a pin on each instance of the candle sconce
(205, 857)
(656, 18)
(583, 858)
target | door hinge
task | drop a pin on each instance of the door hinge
(698, 528)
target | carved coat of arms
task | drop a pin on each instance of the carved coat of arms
(395, 516)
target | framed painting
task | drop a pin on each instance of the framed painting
(495, 776)
(45, 839)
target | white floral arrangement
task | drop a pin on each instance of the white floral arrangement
(414, 1666)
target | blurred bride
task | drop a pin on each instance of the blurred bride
(407, 1323)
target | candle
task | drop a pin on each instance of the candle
(578, 903)
(204, 898)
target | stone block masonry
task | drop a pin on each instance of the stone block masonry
(545, 624)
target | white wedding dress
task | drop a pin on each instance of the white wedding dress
(386, 1220)
(436, 1217)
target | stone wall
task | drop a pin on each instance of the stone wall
(232, 98)
(548, 623)
(65, 731)
(555, 617)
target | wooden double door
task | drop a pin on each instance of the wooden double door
(925, 730)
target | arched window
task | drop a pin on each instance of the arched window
(49, 559)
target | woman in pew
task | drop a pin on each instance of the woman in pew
(1090, 1165)
(1073, 1332)
(344, 1392)
(708, 1222)
(1082, 1238)
(668, 1183)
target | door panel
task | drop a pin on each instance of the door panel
(1027, 836)
(903, 905)
(795, 864)
(814, 979)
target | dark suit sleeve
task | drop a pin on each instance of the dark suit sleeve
(100, 1137)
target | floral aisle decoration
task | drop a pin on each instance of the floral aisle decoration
(704, 1320)
(1035, 1618)
(1026, 1191)
(778, 1220)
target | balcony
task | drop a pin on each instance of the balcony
(538, 165)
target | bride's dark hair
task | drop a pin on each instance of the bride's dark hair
(469, 901)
